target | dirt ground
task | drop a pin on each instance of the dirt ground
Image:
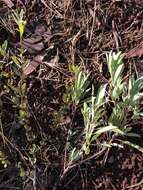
(80, 32)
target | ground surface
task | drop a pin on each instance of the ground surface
(81, 32)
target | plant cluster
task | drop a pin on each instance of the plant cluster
(14, 85)
(122, 97)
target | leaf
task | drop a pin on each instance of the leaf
(101, 95)
(137, 97)
(80, 84)
(113, 61)
(106, 129)
(139, 114)
(4, 45)
(118, 89)
(109, 128)
(32, 65)
(118, 73)
(137, 51)
(33, 44)
(53, 62)
(75, 155)
(16, 60)
(22, 28)
(134, 145)
(137, 85)
(133, 135)
(9, 3)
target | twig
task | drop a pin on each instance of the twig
(96, 155)
(91, 33)
(135, 185)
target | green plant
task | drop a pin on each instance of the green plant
(19, 20)
(115, 68)
(3, 48)
(80, 86)
(93, 113)
(125, 97)
(124, 100)
(3, 160)
(134, 95)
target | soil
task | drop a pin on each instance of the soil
(116, 25)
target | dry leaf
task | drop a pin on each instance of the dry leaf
(40, 29)
(53, 62)
(67, 4)
(137, 51)
(32, 65)
(9, 3)
(33, 44)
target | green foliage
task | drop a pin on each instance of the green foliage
(3, 48)
(133, 93)
(79, 88)
(93, 112)
(115, 67)
(114, 62)
(124, 100)
(135, 146)
(19, 20)
(3, 159)
(75, 155)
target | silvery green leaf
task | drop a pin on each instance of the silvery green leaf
(75, 156)
(118, 73)
(137, 97)
(137, 86)
(106, 129)
(134, 145)
(98, 115)
(139, 114)
(118, 89)
(133, 135)
(78, 80)
(101, 95)
(109, 128)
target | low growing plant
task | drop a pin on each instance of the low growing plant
(77, 90)
(20, 21)
(124, 100)
(125, 97)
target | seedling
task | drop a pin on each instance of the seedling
(19, 20)
(125, 100)
(93, 113)
(80, 86)
(125, 97)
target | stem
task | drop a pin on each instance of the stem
(62, 176)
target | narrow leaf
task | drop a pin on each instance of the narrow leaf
(118, 73)
(134, 145)
(101, 95)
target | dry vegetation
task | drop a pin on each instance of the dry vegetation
(70, 108)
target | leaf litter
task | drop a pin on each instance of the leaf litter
(107, 25)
